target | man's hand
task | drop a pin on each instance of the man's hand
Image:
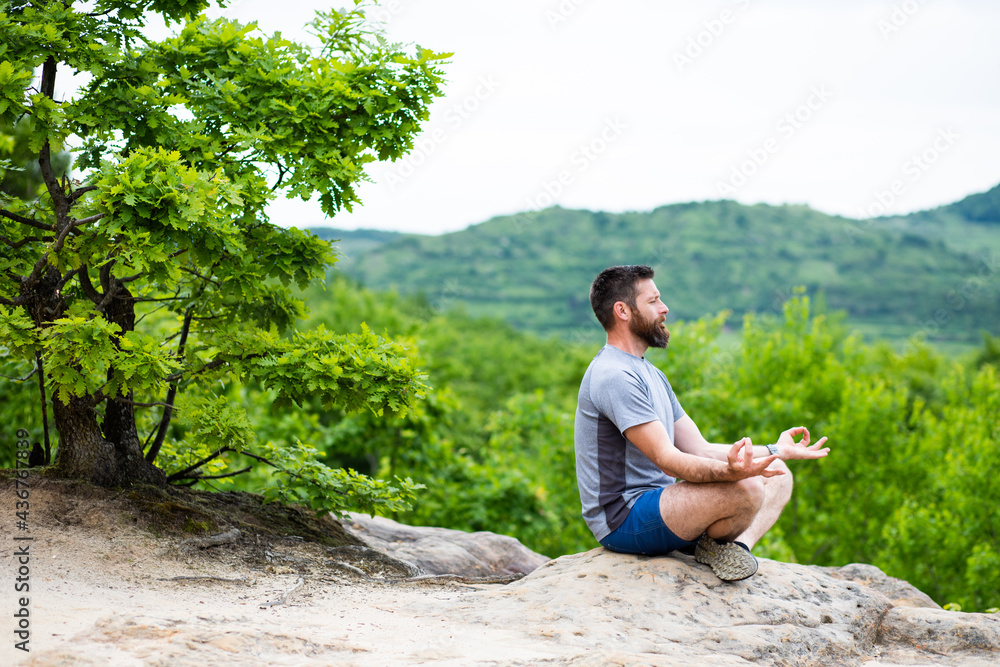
(789, 449)
(742, 464)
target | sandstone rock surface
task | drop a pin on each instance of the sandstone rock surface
(603, 608)
(899, 592)
(105, 592)
(444, 551)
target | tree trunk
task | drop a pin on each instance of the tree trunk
(119, 414)
(112, 457)
(83, 452)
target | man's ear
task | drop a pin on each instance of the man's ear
(621, 310)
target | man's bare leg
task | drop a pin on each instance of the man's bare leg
(777, 492)
(742, 511)
(724, 509)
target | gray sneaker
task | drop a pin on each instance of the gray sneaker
(728, 560)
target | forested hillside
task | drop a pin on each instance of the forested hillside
(932, 274)
(493, 441)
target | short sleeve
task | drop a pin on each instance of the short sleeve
(675, 405)
(623, 398)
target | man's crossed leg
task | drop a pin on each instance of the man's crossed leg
(726, 518)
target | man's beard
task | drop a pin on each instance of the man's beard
(651, 332)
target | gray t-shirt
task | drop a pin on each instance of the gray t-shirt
(618, 391)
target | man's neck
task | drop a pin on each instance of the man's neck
(627, 343)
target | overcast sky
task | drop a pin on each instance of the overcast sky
(845, 105)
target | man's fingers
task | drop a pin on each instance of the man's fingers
(734, 451)
(817, 445)
(768, 460)
(771, 473)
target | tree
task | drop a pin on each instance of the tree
(179, 146)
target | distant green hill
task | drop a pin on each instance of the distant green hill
(935, 271)
(983, 207)
(354, 243)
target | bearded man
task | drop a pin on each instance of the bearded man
(634, 442)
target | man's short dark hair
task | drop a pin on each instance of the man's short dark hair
(614, 284)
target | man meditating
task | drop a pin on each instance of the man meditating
(633, 439)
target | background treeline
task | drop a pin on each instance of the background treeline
(932, 273)
(911, 484)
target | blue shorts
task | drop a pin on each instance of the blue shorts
(643, 531)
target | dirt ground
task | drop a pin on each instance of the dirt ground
(116, 578)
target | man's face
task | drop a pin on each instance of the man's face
(649, 315)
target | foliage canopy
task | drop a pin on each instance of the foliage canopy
(153, 271)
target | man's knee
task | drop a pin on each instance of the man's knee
(783, 482)
(751, 492)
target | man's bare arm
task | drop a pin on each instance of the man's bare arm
(652, 440)
(688, 438)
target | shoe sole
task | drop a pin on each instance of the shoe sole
(729, 561)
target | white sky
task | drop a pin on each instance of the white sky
(873, 84)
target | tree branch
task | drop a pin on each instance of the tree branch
(64, 232)
(88, 287)
(148, 299)
(45, 410)
(26, 221)
(141, 405)
(59, 200)
(112, 290)
(105, 273)
(260, 458)
(183, 474)
(207, 367)
(87, 221)
(198, 275)
(131, 278)
(277, 467)
(14, 245)
(76, 194)
(56, 247)
(24, 379)
(161, 431)
(281, 176)
(65, 279)
(147, 314)
(18, 300)
(198, 478)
